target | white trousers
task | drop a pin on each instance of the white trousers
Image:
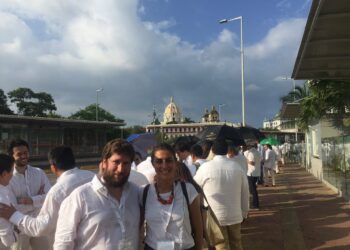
(268, 171)
(25, 242)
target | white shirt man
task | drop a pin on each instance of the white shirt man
(45, 222)
(253, 173)
(226, 188)
(62, 164)
(30, 186)
(269, 165)
(104, 213)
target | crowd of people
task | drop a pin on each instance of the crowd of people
(185, 196)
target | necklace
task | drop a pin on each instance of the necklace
(167, 201)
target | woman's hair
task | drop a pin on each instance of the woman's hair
(184, 174)
(163, 146)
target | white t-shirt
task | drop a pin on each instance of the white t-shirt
(169, 222)
(270, 159)
(253, 155)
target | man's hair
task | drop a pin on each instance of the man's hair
(182, 147)
(165, 147)
(197, 151)
(206, 146)
(6, 163)
(16, 143)
(62, 157)
(120, 147)
(219, 147)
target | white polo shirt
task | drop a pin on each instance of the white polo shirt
(226, 187)
(253, 155)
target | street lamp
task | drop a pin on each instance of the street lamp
(97, 92)
(288, 78)
(242, 62)
(220, 105)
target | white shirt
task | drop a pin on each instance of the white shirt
(45, 222)
(7, 235)
(90, 218)
(169, 222)
(138, 178)
(226, 188)
(253, 155)
(28, 185)
(270, 159)
(242, 162)
(147, 169)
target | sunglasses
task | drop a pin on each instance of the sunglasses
(166, 161)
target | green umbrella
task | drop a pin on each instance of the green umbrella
(270, 140)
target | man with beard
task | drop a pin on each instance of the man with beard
(30, 186)
(104, 213)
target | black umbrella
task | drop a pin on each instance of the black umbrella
(221, 132)
(189, 139)
(251, 134)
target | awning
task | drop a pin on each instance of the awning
(290, 110)
(324, 52)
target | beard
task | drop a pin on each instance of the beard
(112, 181)
(21, 163)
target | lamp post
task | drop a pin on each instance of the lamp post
(220, 105)
(288, 78)
(97, 92)
(242, 62)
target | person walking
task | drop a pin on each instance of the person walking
(253, 173)
(225, 185)
(269, 165)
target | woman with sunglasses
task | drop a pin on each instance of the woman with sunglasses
(171, 222)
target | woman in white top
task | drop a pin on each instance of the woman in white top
(269, 165)
(171, 222)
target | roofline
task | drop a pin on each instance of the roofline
(18, 118)
(315, 9)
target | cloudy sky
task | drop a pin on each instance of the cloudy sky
(142, 52)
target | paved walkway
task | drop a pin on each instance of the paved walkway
(299, 213)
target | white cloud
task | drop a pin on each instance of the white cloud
(104, 44)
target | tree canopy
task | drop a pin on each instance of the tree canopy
(326, 98)
(4, 108)
(296, 94)
(89, 113)
(30, 103)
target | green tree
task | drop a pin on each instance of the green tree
(188, 120)
(4, 108)
(327, 99)
(296, 94)
(30, 103)
(89, 113)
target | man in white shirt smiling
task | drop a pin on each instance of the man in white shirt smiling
(62, 164)
(30, 186)
(226, 187)
(104, 213)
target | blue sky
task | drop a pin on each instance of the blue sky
(143, 52)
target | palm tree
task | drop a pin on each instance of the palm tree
(297, 94)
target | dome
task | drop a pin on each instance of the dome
(172, 112)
